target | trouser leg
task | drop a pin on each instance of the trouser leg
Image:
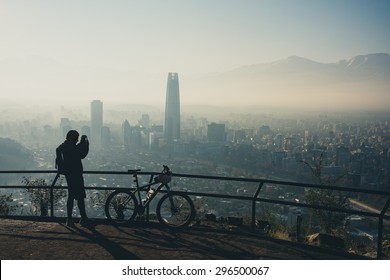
(81, 205)
(69, 206)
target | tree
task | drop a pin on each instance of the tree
(40, 197)
(329, 221)
(6, 207)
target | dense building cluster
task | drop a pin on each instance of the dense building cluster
(345, 149)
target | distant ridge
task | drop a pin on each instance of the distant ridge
(359, 83)
(378, 63)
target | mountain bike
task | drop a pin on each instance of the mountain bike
(173, 209)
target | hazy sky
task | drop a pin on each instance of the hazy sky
(154, 37)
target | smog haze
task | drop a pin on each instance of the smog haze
(303, 54)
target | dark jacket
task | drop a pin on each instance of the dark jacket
(72, 155)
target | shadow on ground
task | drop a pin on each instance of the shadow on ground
(49, 238)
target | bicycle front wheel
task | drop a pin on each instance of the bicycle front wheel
(175, 210)
(121, 207)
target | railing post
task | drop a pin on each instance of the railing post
(148, 207)
(254, 206)
(298, 228)
(52, 195)
(380, 230)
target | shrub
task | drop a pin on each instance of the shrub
(6, 207)
(40, 197)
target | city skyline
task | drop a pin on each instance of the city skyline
(121, 51)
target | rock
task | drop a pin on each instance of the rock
(326, 240)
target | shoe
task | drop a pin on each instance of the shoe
(69, 222)
(85, 222)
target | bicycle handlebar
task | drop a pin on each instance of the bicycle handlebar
(132, 171)
(165, 170)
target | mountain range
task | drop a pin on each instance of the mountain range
(361, 82)
(368, 66)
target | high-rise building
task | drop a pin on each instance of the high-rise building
(96, 120)
(144, 121)
(126, 134)
(216, 132)
(65, 126)
(105, 136)
(172, 109)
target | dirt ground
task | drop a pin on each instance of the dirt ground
(52, 239)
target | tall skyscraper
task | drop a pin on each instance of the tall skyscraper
(172, 109)
(96, 121)
(126, 134)
(216, 132)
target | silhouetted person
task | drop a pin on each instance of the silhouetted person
(69, 156)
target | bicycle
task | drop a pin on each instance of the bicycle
(173, 209)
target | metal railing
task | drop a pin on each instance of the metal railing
(381, 215)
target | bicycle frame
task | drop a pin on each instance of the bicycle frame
(139, 189)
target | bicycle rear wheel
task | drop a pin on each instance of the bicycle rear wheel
(121, 207)
(175, 210)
